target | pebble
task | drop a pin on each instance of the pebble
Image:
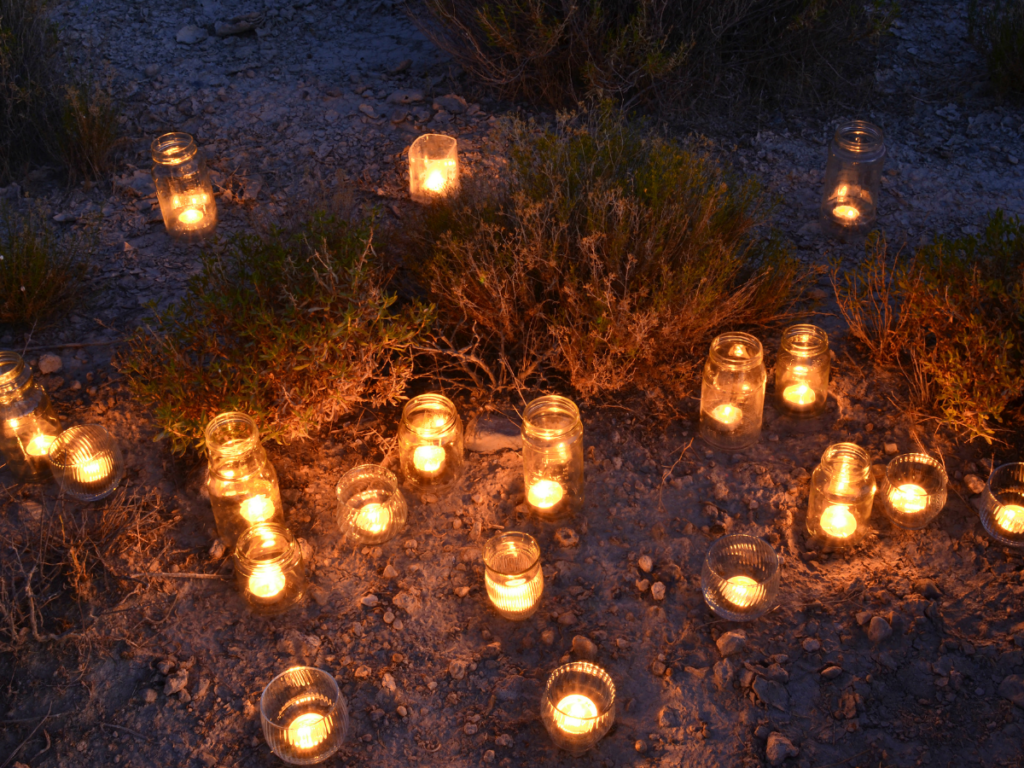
(974, 484)
(642, 584)
(891, 449)
(389, 571)
(731, 643)
(408, 97)
(217, 549)
(878, 629)
(780, 748)
(190, 34)
(811, 645)
(548, 637)
(567, 619)
(1012, 689)
(451, 103)
(402, 711)
(362, 672)
(927, 588)
(457, 669)
(388, 617)
(646, 563)
(584, 647)
(50, 363)
(176, 682)
(658, 590)
(370, 601)
(489, 756)
(831, 673)
(640, 746)
(461, 591)
(149, 695)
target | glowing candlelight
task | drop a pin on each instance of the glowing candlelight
(910, 498)
(308, 731)
(513, 596)
(1010, 517)
(741, 591)
(727, 415)
(738, 350)
(545, 494)
(267, 582)
(575, 714)
(373, 518)
(39, 445)
(435, 182)
(798, 395)
(846, 212)
(837, 521)
(257, 509)
(95, 471)
(190, 216)
(428, 459)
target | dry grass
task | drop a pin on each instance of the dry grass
(997, 28)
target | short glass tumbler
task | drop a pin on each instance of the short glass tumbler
(371, 507)
(304, 715)
(28, 423)
(841, 496)
(553, 457)
(269, 569)
(740, 578)
(1002, 510)
(802, 371)
(433, 167)
(913, 490)
(853, 178)
(431, 444)
(86, 462)
(578, 706)
(513, 574)
(183, 187)
(732, 392)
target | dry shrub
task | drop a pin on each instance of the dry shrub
(606, 256)
(997, 29)
(632, 50)
(295, 328)
(88, 131)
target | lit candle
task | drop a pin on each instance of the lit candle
(266, 582)
(190, 217)
(837, 521)
(307, 731)
(741, 591)
(373, 518)
(1010, 517)
(257, 509)
(428, 459)
(95, 471)
(575, 714)
(727, 415)
(910, 498)
(39, 445)
(847, 212)
(798, 395)
(435, 182)
(544, 494)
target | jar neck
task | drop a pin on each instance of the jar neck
(233, 445)
(846, 463)
(737, 352)
(15, 376)
(859, 137)
(267, 545)
(173, 149)
(805, 341)
(550, 417)
(430, 416)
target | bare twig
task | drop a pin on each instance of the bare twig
(80, 345)
(162, 575)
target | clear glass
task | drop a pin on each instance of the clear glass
(304, 715)
(28, 424)
(431, 444)
(513, 575)
(842, 492)
(183, 187)
(913, 490)
(553, 457)
(802, 371)
(732, 392)
(578, 706)
(242, 482)
(1002, 505)
(371, 507)
(740, 578)
(853, 178)
(269, 569)
(433, 167)
(86, 462)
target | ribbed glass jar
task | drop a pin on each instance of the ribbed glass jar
(740, 578)
(431, 444)
(242, 482)
(913, 490)
(732, 392)
(842, 492)
(371, 507)
(304, 716)
(513, 575)
(28, 423)
(578, 706)
(1002, 505)
(183, 187)
(853, 178)
(553, 457)
(433, 167)
(86, 462)
(269, 569)
(802, 371)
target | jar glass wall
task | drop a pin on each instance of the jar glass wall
(740, 577)
(433, 167)
(183, 187)
(513, 575)
(853, 178)
(553, 457)
(371, 507)
(1002, 505)
(578, 706)
(28, 423)
(269, 569)
(732, 392)
(431, 444)
(842, 492)
(913, 490)
(86, 462)
(802, 371)
(304, 716)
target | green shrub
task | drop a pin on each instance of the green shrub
(295, 328)
(998, 31)
(41, 271)
(607, 257)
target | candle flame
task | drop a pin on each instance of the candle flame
(266, 581)
(373, 518)
(257, 509)
(94, 471)
(191, 216)
(838, 522)
(544, 494)
(1010, 517)
(575, 713)
(435, 182)
(910, 498)
(308, 730)
(798, 394)
(741, 591)
(727, 414)
(428, 459)
(39, 445)
(847, 212)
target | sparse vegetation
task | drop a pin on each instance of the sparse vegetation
(998, 31)
(88, 131)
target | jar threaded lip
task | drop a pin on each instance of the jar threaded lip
(850, 456)
(173, 148)
(232, 433)
(287, 676)
(497, 544)
(434, 402)
(266, 531)
(737, 350)
(860, 137)
(551, 405)
(804, 340)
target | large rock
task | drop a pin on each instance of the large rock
(772, 694)
(780, 748)
(1012, 689)
(731, 643)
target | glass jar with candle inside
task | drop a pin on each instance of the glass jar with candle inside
(1002, 505)
(802, 371)
(304, 716)
(86, 462)
(842, 492)
(740, 577)
(28, 424)
(371, 507)
(433, 167)
(183, 187)
(578, 706)
(553, 457)
(913, 490)
(242, 482)
(732, 392)
(269, 569)
(512, 574)
(853, 178)
(431, 445)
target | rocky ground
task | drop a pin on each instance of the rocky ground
(906, 651)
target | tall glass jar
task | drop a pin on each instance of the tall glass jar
(842, 492)
(433, 167)
(242, 482)
(732, 392)
(853, 178)
(802, 371)
(553, 457)
(28, 424)
(183, 187)
(431, 444)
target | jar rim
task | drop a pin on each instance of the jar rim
(57, 452)
(375, 471)
(998, 473)
(441, 138)
(593, 671)
(440, 404)
(527, 541)
(236, 442)
(848, 451)
(12, 369)
(173, 148)
(553, 403)
(804, 340)
(323, 675)
(759, 544)
(859, 136)
(279, 531)
(724, 346)
(916, 458)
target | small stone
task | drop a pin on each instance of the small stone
(32, 511)
(489, 756)
(779, 749)
(503, 740)
(658, 590)
(362, 672)
(461, 591)
(50, 363)
(149, 695)
(831, 673)
(584, 647)
(640, 746)
(457, 669)
(771, 693)
(406, 97)
(811, 645)
(1012, 689)
(217, 549)
(668, 718)
(878, 629)
(567, 619)
(548, 637)
(388, 617)
(367, 110)
(388, 683)
(190, 34)
(927, 588)
(176, 682)
(566, 537)
(470, 729)
(402, 711)
(389, 571)
(862, 618)
(320, 596)
(1012, 159)
(646, 563)
(891, 449)
(370, 601)
(642, 584)
(974, 484)
(731, 643)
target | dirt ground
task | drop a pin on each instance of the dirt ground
(142, 654)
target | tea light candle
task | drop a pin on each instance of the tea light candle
(267, 583)
(304, 716)
(910, 498)
(95, 471)
(372, 519)
(1010, 517)
(798, 395)
(428, 460)
(307, 731)
(837, 521)
(545, 494)
(435, 182)
(269, 569)
(846, 212)
(575, 714)
(727, 415)
(741, 591)
(578, 706)
(39, 445)
(257, 509)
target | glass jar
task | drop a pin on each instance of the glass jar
(512, 574)
(553, 457)
(304, 716)
(578, 706)
(431, 445)
(740, 578)
(913, 490)
(242, 482)
(28, 424)
(802, 371)
(86, 462)
(1002, 505)
(371, 507)
(269, 569)
(732, 392)
(433, 167)
(842, 492)
(853, 178)
(183, 187)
